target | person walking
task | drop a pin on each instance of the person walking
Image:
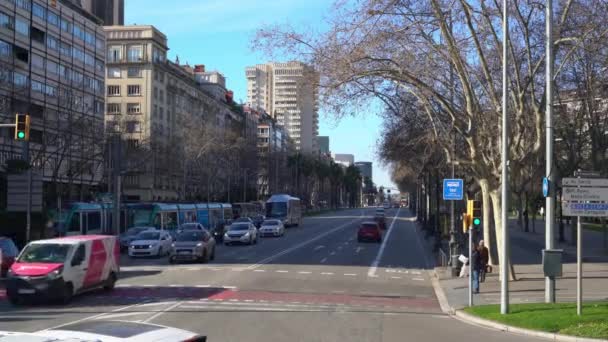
(484, 255)
(475, 265)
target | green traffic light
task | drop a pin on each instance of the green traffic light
(477, 221)
(21, 135)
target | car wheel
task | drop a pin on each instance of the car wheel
(110, 282)
(68, 293)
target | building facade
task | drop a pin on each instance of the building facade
(323, 142)
(273, 147)
(344, 159)
(365, 168)
(172, 129)
(52, 68)
(111, 12)
(289, 93)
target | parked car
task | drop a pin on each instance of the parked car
(128, 236)
(369, 231)
(151, 243)
(241, 232)
(62, 267)
(196, 245)
(272, 228)
(105, 330)
(8, 253)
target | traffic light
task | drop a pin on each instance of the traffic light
(466, 222)
(477, 214)
(22, 127)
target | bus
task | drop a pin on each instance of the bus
(286, 208)
(244, 210)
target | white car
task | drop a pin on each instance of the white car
(380, 212)
(151, 243)
(105, 331)
(241, 232)
(272, 228)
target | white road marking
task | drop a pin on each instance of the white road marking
(323, 260)
(318, 247)
(282, 271)
(332, 253)
(416, 272)
(395, 277)
(350, 274)
(148, 285)
(302, 244)
(237, 269)
(339, 248)
(233, 300)
(229, 287)
(304, 272)
(359, 249)
(120, 314)
(123, 285)
(203, 285)
(418, 279)
(327, 273)
(158, 314)
(374, 266)
(248, 300)
(174, 285)
(94, 316)
(259, 270)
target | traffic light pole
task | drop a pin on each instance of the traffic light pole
(471, 265)
(550, 202)
(28, 215)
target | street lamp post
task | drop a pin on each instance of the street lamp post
(550, 201)
(504, 261)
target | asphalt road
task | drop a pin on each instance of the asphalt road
(317, 283)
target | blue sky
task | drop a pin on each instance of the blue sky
(218, 33)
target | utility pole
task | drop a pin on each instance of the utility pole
(504, 257)
(549, 201)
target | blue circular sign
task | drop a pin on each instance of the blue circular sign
(545, 187)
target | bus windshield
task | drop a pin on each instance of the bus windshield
(141, 217)
(276, 209)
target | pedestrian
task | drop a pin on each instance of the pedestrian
(484, 256)
(475, 265)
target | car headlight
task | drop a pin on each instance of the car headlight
(9, 273)
(173, 245)
(246, 235)
(132, 246)
(200, 244)
(55, 274)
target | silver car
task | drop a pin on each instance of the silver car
(272, 228)
(241, 232)
(193, 245)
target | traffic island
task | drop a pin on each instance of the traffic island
(556, 321)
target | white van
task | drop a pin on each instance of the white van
(59, 268)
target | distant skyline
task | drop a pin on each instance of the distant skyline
(218, 34)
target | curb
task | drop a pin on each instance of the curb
(440, 294)
(521, 331)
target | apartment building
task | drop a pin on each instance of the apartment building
(52, 67)
(111, 12)
(289, 93)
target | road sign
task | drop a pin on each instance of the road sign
(545, 187)
(587, 174)
(453, 189)
(16, 194)
(585, 194)
(595, 182)
(585, 209)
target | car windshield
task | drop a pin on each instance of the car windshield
(242, 219)
(239, 227)
(190, 226)
(148, 236)
(190, 236)
(136, 230)
(271, 223)
(45, 253)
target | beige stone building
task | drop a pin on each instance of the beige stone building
(289, 92)
(152, 103)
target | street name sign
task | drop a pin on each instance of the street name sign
(585, 209)
(585, 197)
(453, 189)
(585, 194)
(588, 182)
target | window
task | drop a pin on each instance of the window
(113, 108)
(133, 108)
(114, 53)
(113, 72)
(53, 18)
(99, 65)
(77, 78)
(6, 49)
(66, 49)
(22, 27)
(135, 53)
(162, 95)
(20, 80)
(52, 67)
(155, 92)
(158, 55)
(37, 62)
(66, 26)
(51, 43)
(89, 37)
(6, 21)
(98, 107)
(21, 54)
(113, 90)
(50, 90)
(133, 127)
(38, 36)
(39, 11)
(133, 90)
(134, 72)
(100, 44)
(37, 87)
(89, 59)
(112, 126)
(78, 31)
(25, 4)
(65, 72)
(78, 54)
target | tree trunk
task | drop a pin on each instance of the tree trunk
(487, 236)
(496, 203)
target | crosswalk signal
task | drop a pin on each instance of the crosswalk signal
(22, 127)
(477, 214)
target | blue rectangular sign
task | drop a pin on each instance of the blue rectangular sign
(453, 189)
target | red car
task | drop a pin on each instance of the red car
(369, 231)
(8, 253)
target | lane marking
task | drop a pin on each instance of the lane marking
(302, 244)
(158, 314)
(229, 287)
(418, 279)
(327, 273)
(203, 285)
(395, 277)
(350, 274)
(94, 316)
(174, 285)
(323, 260)
(281, 271)
(259, 270)
(318, 247)
(332, 253)
(376, 262)
(304, 272)
(359, 249)
(120, 314)
(416, 272)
